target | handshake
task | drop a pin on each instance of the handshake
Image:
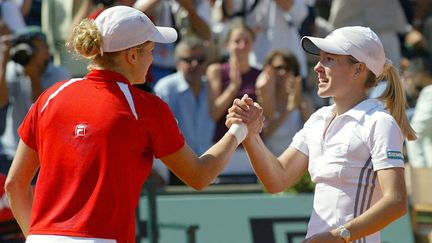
(245, 118)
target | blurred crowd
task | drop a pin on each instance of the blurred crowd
(226, 48)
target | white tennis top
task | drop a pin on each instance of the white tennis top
(343, 161)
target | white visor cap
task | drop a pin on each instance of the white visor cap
(124, 27)
(360, 42)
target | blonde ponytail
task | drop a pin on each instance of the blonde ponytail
(395, 101)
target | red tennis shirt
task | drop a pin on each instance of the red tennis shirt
(95, 138)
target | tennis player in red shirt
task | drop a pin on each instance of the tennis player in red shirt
(94, 139)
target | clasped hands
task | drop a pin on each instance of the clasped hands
(245, 110)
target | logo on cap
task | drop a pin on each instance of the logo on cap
(80, 130)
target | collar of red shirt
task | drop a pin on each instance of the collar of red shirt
(105, 75)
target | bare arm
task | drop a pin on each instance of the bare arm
(18, 184)
(220, 100)
(390, 207)
(199, 172)
(199, 26)
(276, 174)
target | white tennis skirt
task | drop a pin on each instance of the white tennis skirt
(65, 239)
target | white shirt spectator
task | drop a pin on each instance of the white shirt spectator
(420, 150)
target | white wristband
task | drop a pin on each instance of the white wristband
(240, 132)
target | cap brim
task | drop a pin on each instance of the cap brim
(164, 35)
(314, 45)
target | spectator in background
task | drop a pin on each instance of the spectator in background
(420, 150)
(276, 24)
(101, 5)
(385, 17)
(11, 15)
(186, 93)
(278, 29)
(286, 107)
(231, 80)
(188, 17)
(11, 19)
(422, 19)
(57, 22)
(32, 12)
(234, 78)
(28, 72)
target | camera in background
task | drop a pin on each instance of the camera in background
(22, 48)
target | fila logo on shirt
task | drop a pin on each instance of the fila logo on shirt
(80, 130)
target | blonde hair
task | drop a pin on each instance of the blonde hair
(86, 41)
(394, 99)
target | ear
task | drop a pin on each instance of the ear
(132, 56)
(360, 67)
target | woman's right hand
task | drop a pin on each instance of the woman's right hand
(246, 111)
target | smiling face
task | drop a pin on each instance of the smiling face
(336, 76)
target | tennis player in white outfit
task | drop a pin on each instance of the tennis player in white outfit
(352, 149)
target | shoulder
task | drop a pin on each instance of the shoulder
(57, 87)
(377, 112)
(378, 120)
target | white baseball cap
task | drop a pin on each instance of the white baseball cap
(360, 42)
(124, 27)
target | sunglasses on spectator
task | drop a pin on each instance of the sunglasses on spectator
(190, 60)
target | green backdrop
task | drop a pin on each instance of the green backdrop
(244, 218)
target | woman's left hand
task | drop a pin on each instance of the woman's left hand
(324, 237)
